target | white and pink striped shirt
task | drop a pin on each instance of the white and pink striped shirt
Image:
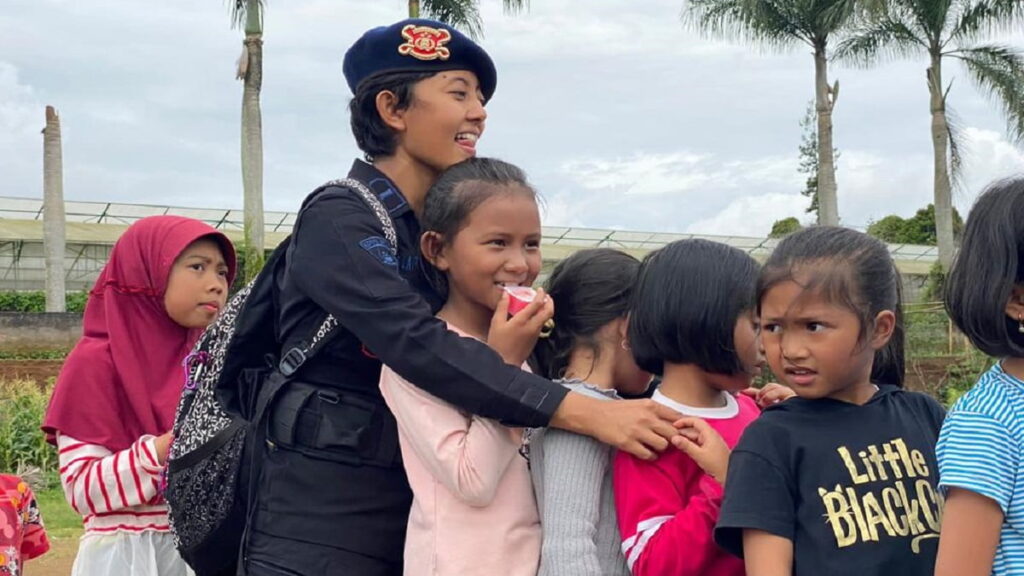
(114, 492)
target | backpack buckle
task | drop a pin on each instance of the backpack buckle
(291, 361)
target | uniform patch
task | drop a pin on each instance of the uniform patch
(425, 43)
(380, 249)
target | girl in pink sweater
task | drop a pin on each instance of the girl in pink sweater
(692, 322)
(473, 510)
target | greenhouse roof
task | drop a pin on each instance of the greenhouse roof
(102, 223)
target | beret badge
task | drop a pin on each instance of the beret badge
(425, 43)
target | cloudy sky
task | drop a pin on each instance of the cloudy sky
(623, 116)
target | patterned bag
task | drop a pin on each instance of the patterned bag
(232, 374)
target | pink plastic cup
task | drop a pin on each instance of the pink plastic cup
(519, 298)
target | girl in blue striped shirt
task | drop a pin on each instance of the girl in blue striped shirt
(981, 466)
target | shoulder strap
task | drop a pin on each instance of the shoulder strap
(295, 357)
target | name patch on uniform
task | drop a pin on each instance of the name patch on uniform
(380, 249)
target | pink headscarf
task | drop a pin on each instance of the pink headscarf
(124, 377)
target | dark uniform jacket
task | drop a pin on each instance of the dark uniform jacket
(332, 475)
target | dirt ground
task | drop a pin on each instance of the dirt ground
(56, 562)
(927, 374)
(39, 370)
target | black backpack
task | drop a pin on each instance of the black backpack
(234, 371)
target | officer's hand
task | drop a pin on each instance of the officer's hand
(513, 338)
(641, 427)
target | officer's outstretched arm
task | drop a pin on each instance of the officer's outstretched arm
(640, 427)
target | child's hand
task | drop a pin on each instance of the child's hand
(513, 338)
(163, 447)
(771, 394)
(705, 445)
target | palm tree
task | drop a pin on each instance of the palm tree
(463, 14)
(53, 212)
(248, 14)
(947, 29)
(783, 23)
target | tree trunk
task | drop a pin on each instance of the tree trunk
(53, 212)
(940, 149)
(414, 8)
(828, 207)
(252, 145)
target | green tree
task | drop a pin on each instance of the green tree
(782, 23)
(784, 227)
(248, 14)
(945, 29)
(918, 229)
(462, 14)
(809, 157)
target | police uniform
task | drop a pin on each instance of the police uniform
(333, 497)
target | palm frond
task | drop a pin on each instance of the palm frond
(954, 128)
(832, 16)
(999, 71)
(979, 16)
(462, 14)
(515, 6)
(883, 38)
(240, 13)
(929, 17)
(768, 21)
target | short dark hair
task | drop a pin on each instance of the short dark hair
(590, 288)
(375, 138)
(457, 192)
(990, 262)
(853, 270)
(688, 298)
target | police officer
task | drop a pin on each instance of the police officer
(332, 497)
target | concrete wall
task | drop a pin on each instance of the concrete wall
(25, 332)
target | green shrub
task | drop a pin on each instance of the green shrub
(927, 331)
(35, 301)
(22, 444)
(934, 287)
(51, 354)
(962, 375)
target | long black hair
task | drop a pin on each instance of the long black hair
(850, 269)
(590, 288)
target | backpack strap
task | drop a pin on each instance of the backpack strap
(295, 357)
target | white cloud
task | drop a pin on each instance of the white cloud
(989, 156)
(752, 215)
(641, 173)
(22, 117)
(623, 116)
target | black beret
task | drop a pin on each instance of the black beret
(418, 45)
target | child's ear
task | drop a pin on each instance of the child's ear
(432, 248)
(390, 114)
(623, 328)
(885, 324)
(1015, 304)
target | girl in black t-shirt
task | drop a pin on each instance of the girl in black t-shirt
(842, 479)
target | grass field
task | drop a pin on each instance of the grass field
(64, 527)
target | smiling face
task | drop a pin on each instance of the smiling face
(816, 346)
(497, 246)
(197, 286)
(444, 121)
